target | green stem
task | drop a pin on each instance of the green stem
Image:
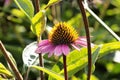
(65, 67)
(88, 37)
(12, 65)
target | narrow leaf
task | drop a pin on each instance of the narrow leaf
(51, 2)
(51, 73)
(26, 6)
(5, 72)
(38, 23)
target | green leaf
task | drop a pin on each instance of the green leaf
(77, 60)
(51, 2)
(95, 55)
(5, 72)
(94, 58)
(56, 69)
(51, 73)
(26, 6)
(108, 47)
(38, 23)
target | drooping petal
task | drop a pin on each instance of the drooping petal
(44, 42)
(65, 49)
(81, 43)
(46, 49)
(75, 46)
(84, 39)
(58, 50)
(51, 51)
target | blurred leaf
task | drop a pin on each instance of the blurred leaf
(51, 2)
(116, 3)
(26, 6)
(38, 23)
(5, 72)
(51, 73)
(29, 56)
(113, 68)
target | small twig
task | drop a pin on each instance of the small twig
(88, 37)
(14, 68)
(65, 67)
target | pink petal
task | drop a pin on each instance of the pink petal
(83, 38)
(46, 49)
(58, 50)
(81, 43)
(51, 51)
(38, 50)
(76, 47)
(65, 49)
(43, 42)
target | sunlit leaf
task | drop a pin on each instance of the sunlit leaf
(77, 60)
(26, 6)
(38, 23)
(56, 69)
(108, 47)
(51, 2)
(51, 73)
(29, 56)
(5, 72)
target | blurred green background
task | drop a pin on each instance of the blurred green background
(15, 30)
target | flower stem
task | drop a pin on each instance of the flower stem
(12, 65)
(88, 37)
(41, 64)
(65, 67)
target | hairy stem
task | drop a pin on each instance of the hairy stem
(65, 67)
(88, 37)
(12, 65)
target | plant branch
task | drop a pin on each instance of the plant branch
(13, 67)
(88, 37)
(102, 23)
(65, 67)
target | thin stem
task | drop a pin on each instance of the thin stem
(12, 65)
(41, 64)
(27, 73)
(65, 67)
(88, 37)
(102, 23)
(37, 8)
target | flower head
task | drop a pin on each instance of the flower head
(61, 37)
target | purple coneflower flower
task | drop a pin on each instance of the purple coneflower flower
(60, 39)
